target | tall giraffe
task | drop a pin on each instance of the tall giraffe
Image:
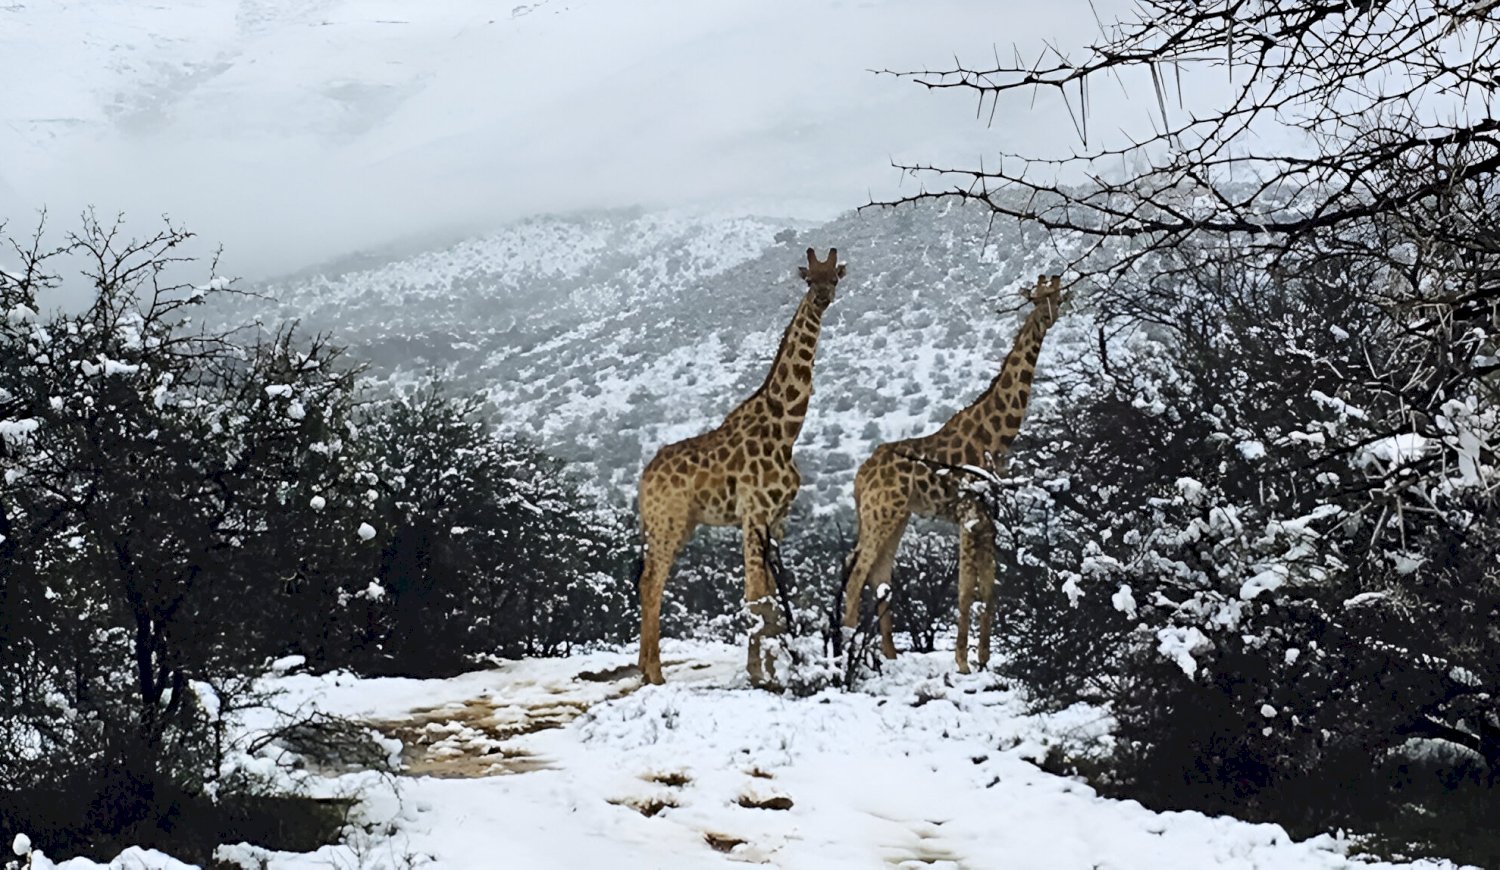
(740, 473)
(926, 476)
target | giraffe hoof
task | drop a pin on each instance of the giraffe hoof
(766, 685)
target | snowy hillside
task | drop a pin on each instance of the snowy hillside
(609, 335)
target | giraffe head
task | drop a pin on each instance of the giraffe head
(1047, 294)
(823, 276)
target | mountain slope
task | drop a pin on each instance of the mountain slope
(610, 334)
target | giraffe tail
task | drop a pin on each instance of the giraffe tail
(637, 569)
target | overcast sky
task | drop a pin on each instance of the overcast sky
(296, 130)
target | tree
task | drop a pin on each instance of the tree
(150, 469)
(1379, 88)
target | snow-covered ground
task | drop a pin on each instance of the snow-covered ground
(562, 763)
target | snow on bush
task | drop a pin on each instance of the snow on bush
(1282, 519)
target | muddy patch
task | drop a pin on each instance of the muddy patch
(765, 802)
(648, 806)
(722, 842)
(673, 778)
(469, 740)
(472, 738)
(609, 675)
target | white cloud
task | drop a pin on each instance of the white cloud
(293, 132)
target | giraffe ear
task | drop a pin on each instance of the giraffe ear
(802, 271)
(841, 270)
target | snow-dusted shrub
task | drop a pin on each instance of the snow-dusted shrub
(705, 595)
(925, 583)
(1267, 516)
(157, 478)
(487, 546)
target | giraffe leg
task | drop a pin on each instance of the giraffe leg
(874, 557)
(664, 539)
(984, 569)
(965, 604)
(976, 573)
(760, 602)
(776, 533)
(882, 577)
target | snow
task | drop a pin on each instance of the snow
(214, 284)
(922, 767)
(1252, 450)
(1268, 580)
(133, 858)
(21, 845)
(1179, 643)
(1394, 450)
(1365, 598)
(366, 531)
(18, 431)
(1123, 600)
(1071, 589)
(919, 767)
(317, 502)
(1337, 405)
(1192, 490)
(286, 663)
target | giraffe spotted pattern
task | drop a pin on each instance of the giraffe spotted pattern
(927, 476)
(740, 473)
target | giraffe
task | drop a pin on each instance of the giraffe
(926, 476)
(740, 473)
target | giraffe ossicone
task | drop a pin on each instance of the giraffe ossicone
(739, 473)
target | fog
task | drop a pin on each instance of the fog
(293, 131)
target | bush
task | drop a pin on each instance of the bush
(150, 470)
(925, 580)
(484, 541)
(1285, 566)
(183, 504)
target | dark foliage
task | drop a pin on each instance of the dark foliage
(182, 505)
(1270, 506)
(487, 546)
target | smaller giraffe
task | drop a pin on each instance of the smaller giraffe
(740, 473)
(927, 476)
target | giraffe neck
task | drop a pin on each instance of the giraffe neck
(990, 423)
(788, 386)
